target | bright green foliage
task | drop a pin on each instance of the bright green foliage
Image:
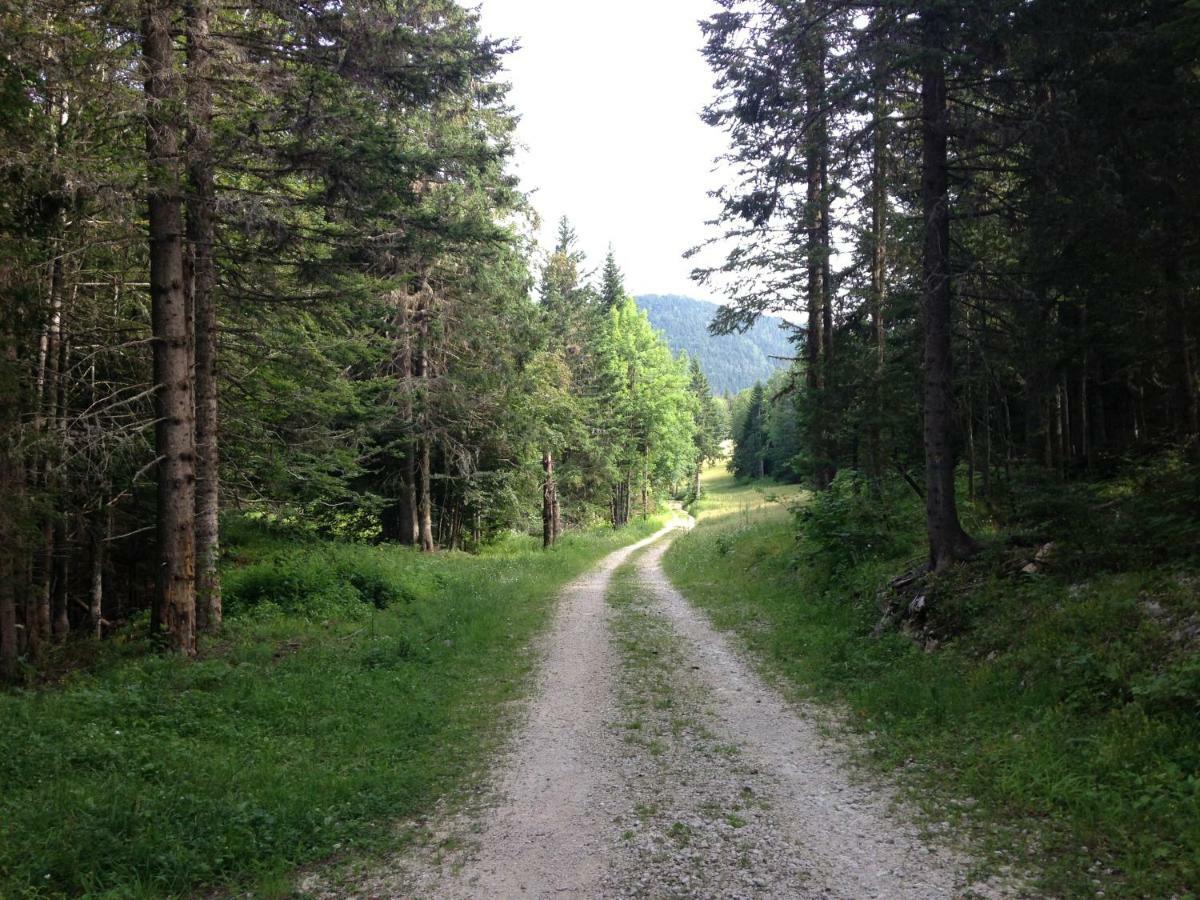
(774, 436)
(384, 361)
(652, 401)
(621, 412)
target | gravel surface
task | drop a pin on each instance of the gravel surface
(741, 753)
(654, 762)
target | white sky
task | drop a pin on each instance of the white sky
(609, 96)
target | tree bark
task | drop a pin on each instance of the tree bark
(39, 615)
(175, 589)
(1189, 398)
(556, 511)
(201, 225)
(9, 489)
(645, 487)
(60, 619)
(948, 542)
(408, 522)
(100, 535)
(878, 280)
(821, 137)
(548, 491)
(819, 340)
(425, 493)
(423, 439)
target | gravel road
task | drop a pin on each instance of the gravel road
(654, 762)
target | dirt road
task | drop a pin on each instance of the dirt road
(654, 762)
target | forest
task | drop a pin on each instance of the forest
(268, 261)
(986, 215)
(306, 443)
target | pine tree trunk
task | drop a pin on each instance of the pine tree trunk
(175, 590)
(821, 136)
(548, 490)
(9, 489)
(410, 525)
(39, 615)
(555, 510)
(818, 339)
(409, 521)
(987, 441)
(878, 283)
(1008, 441)
(423, 440)
(1059, 434)
(60, 620)
(1098, 420)
(948, 542)
(1189, 388)
(425, 493)
(645, 487)
(37, 605)
(201, 215)
(100, 536)
(970, 444)
(8, 609)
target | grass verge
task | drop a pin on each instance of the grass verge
(1059, 715)
(315, 722)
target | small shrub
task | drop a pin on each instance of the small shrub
(294, 583)
(338, 582)
(844, 526)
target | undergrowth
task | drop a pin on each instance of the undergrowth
(351, 687)
(1061, 705)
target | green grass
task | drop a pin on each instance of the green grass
(305, 732)
(1062, 709)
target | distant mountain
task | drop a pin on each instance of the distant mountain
(731, 362)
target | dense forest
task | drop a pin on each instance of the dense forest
(988, 214)
(732, 362)
(308, 448)
(268, 261)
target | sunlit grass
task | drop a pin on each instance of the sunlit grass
(723, 496)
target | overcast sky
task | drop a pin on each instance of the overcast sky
(609, 96)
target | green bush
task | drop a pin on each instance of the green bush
(345, 581)
(844, 526)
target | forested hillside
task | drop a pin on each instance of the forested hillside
(732, 362)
